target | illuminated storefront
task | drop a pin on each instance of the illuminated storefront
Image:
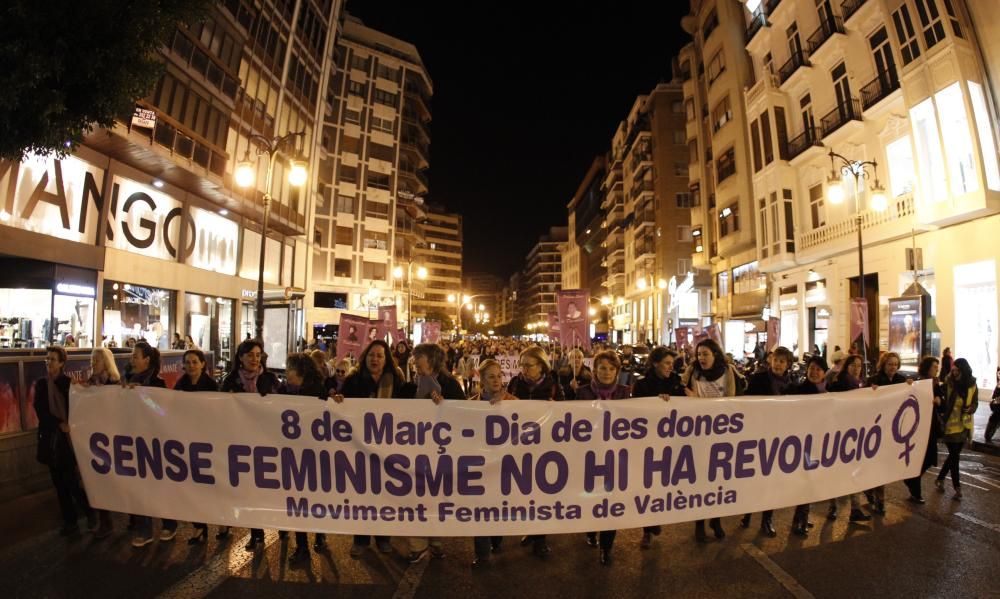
(43, 303)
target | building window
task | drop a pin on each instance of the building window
(386, 98)
(711, 22)
(726, 165)
(376, 240)
(765, 244)
(782, 130)
(356, 88)
(786, 195)
(689, 109)
(378, 181)
(342, 268)
(374, 271)
(350, 144)
(683, 199)
(721, 114)
(359, 62)
(765, 130)
(722, 284)
(696, 235)
(383, 125)
(348, 174)
(956, 24)
(957, 136)
(755, 139)
(681, 169)
(683, 233)
(729, 220)
(986, 142)
(385, 72)
(748, 278)
(345, 203)
(716, 67)
(902, 174)
(930, 20)
(352, 117)
(693, 151)
(683, 266)
(696, 194)
(376, 209)
(817, 206)
(677, 107)
(906, 34)
(925, 130)
(345, 236)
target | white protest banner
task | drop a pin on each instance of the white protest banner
(464, 468)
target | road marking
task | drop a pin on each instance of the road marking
(983, 523)
(784, 578)
(411, 579)
(982, 479)
(205, 579)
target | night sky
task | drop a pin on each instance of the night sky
(526, 94)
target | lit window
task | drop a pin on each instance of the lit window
(925, 131)
(902, 175)
(987, 146)
(957, 139)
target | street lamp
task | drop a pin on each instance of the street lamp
(245, 175)
(397, 273)
(840, 168)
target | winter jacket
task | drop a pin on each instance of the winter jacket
(361, 384)
(548, 389)
(654, 385)
(880, 379)
(589, 392)
(205, 383)
(267, 382)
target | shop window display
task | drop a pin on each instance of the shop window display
(210, 324)
(133, 313)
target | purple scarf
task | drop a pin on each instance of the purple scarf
(249, 379)
(603, 391)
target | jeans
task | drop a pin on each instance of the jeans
(951, 464)
(144, 525)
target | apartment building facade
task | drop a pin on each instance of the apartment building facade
(901, 84)
(584, 256)
(441, 254)
(714, 69)
(542, 277)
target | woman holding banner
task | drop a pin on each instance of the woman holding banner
(376, 376)
(196, 379)
(248, 375)
(961, 402)
(535, 381)
(815, 383)
(304, 378)
(574, 373)
(710, 376)
(660, 378)
(848, 379)
(605, 386)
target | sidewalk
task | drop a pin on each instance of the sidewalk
(981, 417)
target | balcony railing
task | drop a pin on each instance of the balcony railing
(878, 88)
(849, 7)
(827, 27)
(810, 137)
(797, 60)
(640, 186)
(899, 208)
(841, 115)
(757, 21)
(375, 244)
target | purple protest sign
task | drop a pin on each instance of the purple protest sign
(400, 335)
(351, 338)
(681, 337)
(714, 333)
(573, 304)
(773, 333)
(386, 321)
(431, 332)
(859, 320)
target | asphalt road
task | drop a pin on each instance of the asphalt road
(945, 548)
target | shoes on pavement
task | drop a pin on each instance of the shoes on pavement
(320, 543)
(831, 514)
(592, 539)
(540, 548)
(199, 537)
(437, 552)
(605, 557)
(254, 543)
(859, 516)
(168, 534)
(417, 556)
(496, 546)
(767, 527)
(478, 563)
(299, 556)
(745, 521)
(358, 550)
(716, 526)
(383, 546)
(879, 508)
(222, 534)
(141, 540)
(917, 500)
(958, 493)
(647, 540)
(939, 483)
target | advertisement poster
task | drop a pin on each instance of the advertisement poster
(10, 409)
(906, 330)
(859, 322)
(519, 467)
(351, 339)
(573, 305)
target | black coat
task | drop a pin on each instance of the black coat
(267, 382)
(583, 378)
(314, 389)
(805, 388)
(840, 384)
(653, 385)
(548, 389)
(205, 383)
(54, 447)
(153, 380)
(361, 384)
(882, 380)
(762, 383)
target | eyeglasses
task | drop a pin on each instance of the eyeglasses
(529, 364)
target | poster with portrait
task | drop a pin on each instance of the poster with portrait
(681, 338)
(573, 305)
(859, 322)
(714, 333)
(399, 335)
(386, 323)
(553, 327)
(906, 330)
(431, 332)
(352, 336)
(773, 333)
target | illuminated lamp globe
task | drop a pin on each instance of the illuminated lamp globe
(835, 193)
(879, 202)
(397, 273)
(245, 174)
(421, 273)
(297, 175)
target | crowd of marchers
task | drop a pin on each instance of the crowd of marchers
(468, 370)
